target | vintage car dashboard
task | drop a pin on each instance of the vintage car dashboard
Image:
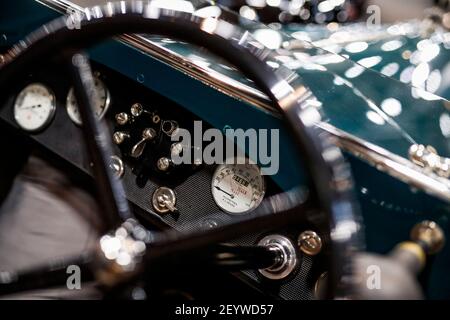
(152, 86)
(144, 164)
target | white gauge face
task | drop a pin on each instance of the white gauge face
(34, 107)
(101, 102)
(238, 188)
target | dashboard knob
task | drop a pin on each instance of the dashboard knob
(122, 118)
(309, 242)
(169, 127)
(176, 149)
(430, 234)
(117, 167)
(120, 136)
(163, 164)
(287, 257)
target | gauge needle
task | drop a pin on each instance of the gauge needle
(32, 107)
(220, 189)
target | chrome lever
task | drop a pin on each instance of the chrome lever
(147, 135)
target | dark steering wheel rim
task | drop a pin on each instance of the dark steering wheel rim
(329, 176)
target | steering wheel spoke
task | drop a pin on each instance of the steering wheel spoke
(114, 205)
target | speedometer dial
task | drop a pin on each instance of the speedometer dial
(101, 103)
(34, 107)
(238, 188)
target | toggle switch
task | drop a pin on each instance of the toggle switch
(120, 136)
(164, 200)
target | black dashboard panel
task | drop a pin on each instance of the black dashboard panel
(192, 186)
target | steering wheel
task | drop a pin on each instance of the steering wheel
(329, 180)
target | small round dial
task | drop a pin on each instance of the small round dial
(238, 188)
(34, 107)
(101, 103)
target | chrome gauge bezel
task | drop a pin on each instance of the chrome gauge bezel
(50, 116)
(105, 109)
(263, 187)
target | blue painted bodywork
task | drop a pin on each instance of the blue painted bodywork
(389, 207)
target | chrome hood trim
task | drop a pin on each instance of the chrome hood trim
(384, 160)
(394, 165)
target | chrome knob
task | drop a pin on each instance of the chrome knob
(136, 109)
(163, 164)
(429, 233)
(120, 136)
(309, 242)
(122, 118)
(117, 167)
(287, 257)
(428, 158)
(169, 127)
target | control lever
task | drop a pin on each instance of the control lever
(164, 200)
(147, 135)
(394, 276)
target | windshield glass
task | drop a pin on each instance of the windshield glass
(348, 95)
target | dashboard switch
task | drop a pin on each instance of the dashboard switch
(164, 200)
(163, 164)
(120, 136)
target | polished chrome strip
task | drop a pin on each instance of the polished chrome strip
(382, 159)
(212, 78)
(394, 165)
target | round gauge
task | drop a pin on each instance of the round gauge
(101, 103)
(238, 188)
(34, 107)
